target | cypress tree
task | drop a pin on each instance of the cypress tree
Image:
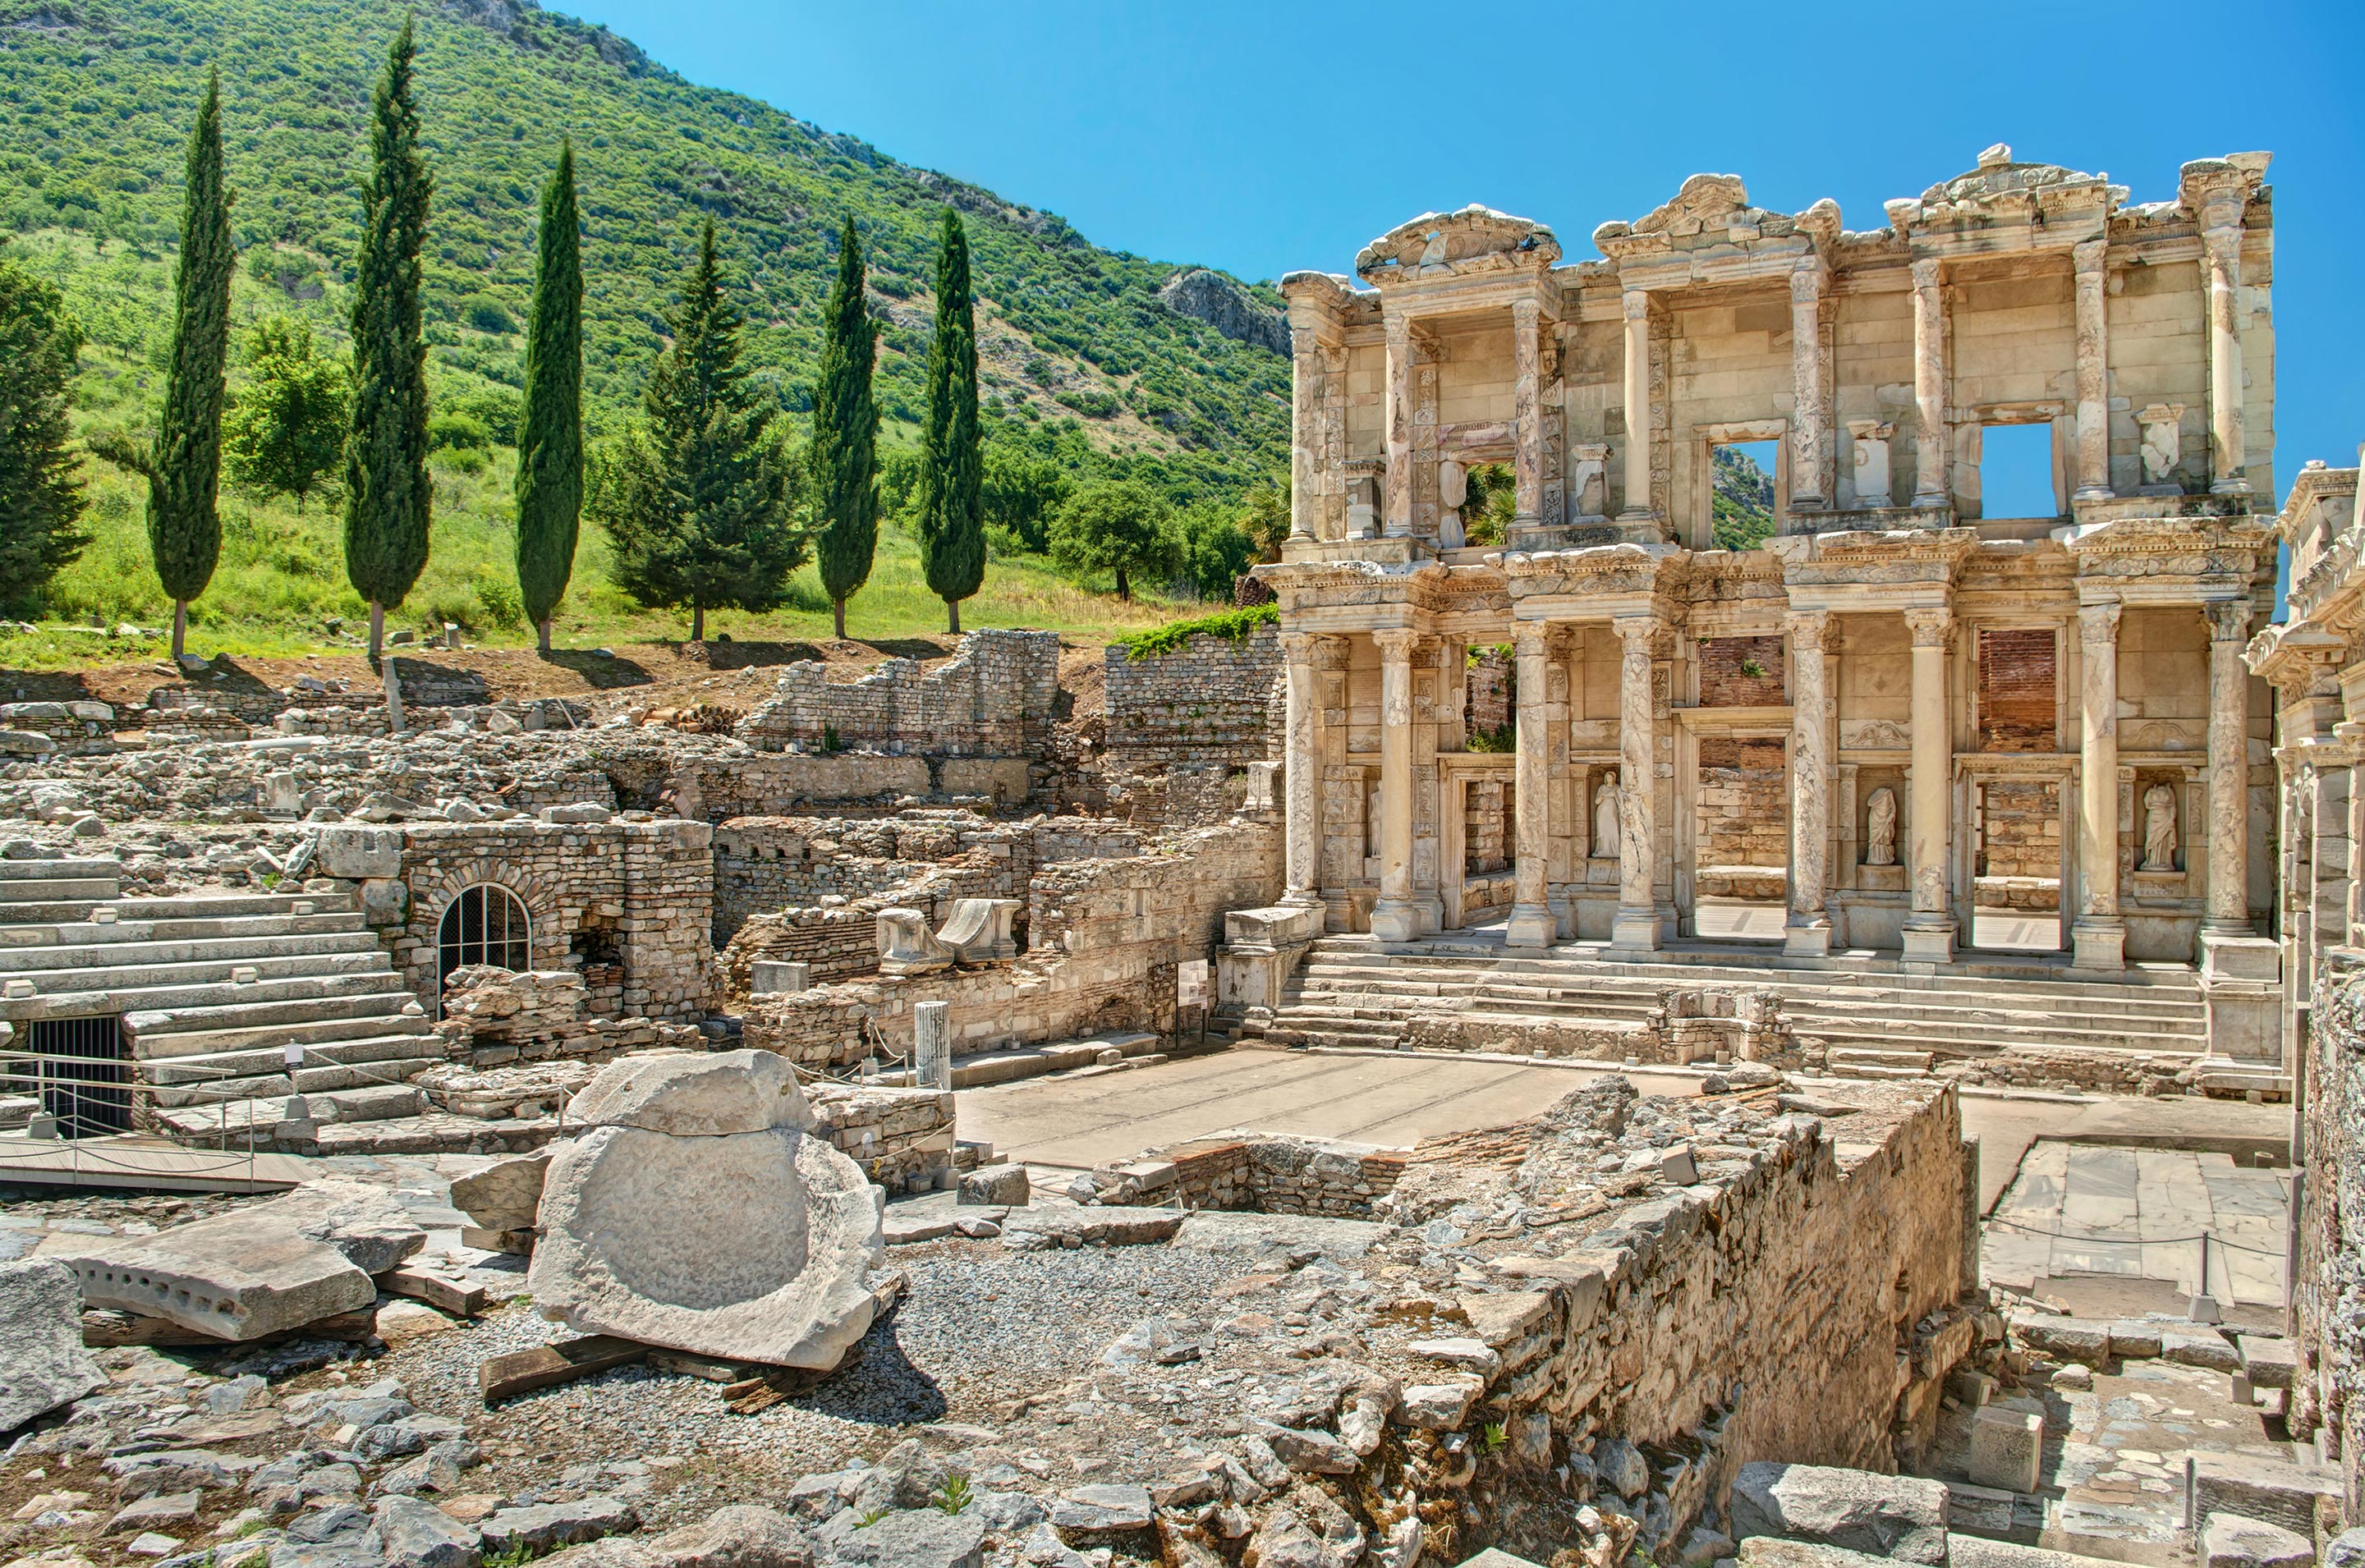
(183, 466)
(700, 502)
(41, 497)
(846, 436)
(387, 492)
(550, 432)
(952, 520)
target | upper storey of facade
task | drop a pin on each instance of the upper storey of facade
(2138, 335)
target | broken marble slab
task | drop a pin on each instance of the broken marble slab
(42, 1361)
(504, 1194)
(253, 1271)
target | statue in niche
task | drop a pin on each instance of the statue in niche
(1605, 821)
(1880, 828)
(2159, 829)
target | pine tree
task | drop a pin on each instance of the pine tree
(952, 520)
(700, 502)
(550, 433)
(387, 493)
(41, 497)
(183, 466)
(846, 436)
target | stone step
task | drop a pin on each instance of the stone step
(320, 1078)
(194, 929)
(387, 1045)
(86, 869)
(1865, 1056)
(370, 960)
(151, 1028)
(19, 890)
(1821, 1018)
(318, 1024)
(225, 995)
(97, 956)
(376, 1102)
(2176, 988)
(436, 1132)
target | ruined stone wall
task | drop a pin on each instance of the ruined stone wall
(1183, 724)
(2020, 822)
(1104, 937)
(2328, 1299)
(1742, 672)
(994, 699)
(901, 1138)
(1743, 810)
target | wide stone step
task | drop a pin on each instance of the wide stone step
(1986, 1039)
(376, 1103)
(330, 1020)
(228, 995)
(242, 971)
(66, 868)
(217, 951)
(1867, 1056)
(225, 1065)
(151, 1028)
(321, 1078)
(36, 938)
(17, 890)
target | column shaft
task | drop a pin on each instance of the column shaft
(1394, 917)
(1929, 385)
(1637, 403)
(2093, 372)
(1395, 513)
(2222, 248)
(2229, 768)
(1531, 923)
(2098, 938)
(1527, 414)
(1808, 437)
(1301, 775)
(1637, 921)
(1930, 928)
(1305, 393)
(1809, 926)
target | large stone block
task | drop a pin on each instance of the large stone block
(42, 1362)
(255, 1271)
(2007, 1448)
(2266, 1489)
(1901, 1516)
(505, 1195)
(2229, 1541)
(355, 852)
(694, 1094)
(745, 1246)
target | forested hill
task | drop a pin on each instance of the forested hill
(97, 97)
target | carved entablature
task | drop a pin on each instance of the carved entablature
(1874, 557)
(1712, 211)
(1327, 299)
(1304, 586)
(2167, 557)
(2219, 191)
(2299, 660)
(1477, 241)
(2042, 204)
(2321, 524)
(1602, 571)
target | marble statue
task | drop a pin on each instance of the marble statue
(2159, 829)
(1605, 821)
(1880, 828)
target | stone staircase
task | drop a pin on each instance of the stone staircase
(1878, 1021)
(211, 990)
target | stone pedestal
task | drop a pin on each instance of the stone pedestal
(2241, 984)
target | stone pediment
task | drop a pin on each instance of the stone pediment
(1713, 208)
(1473, 240)
(2000, 183)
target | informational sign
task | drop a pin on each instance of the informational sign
(1191, 984)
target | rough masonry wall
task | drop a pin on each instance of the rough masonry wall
(2328, 1302)
(1183, 724)
(1743, 808)
(994, 699)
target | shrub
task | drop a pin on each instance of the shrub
(1230, 625)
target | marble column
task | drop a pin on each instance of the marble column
(1636, 923)
(1395, 917)
(1527, 415)
(1929, 927)
(1396, 511)
(2229, 768)
(1637, 404)
(1929, 385)
(1306, 392)
(2093, 372)
(1301, 775)
(1808, 930)
(1808, 436)
(2222, 248)
(2097, 936)
(1531, 923)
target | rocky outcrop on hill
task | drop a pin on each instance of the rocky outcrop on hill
(1224, 305)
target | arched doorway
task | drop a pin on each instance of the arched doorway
(486, 924)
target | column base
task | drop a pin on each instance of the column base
(1635, 930)
(1301, 897)
(2098, 944)
(2241, 984)
(1930, 944)
(1395, 920)
(1531, 926)
(1808, 939)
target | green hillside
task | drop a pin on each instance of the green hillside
(1078, 356)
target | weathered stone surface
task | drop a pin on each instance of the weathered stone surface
(2345, 1550)
(2007, 1448)
(2072, 1338)
(741, 1536)
(543, 1527)
(747, 1247)
(1112, 1226)
(1099, 1510)
(505, 1195)
(2254, 1488)
(42, 1362)
(918, 1538)
(256, 1270)
(419, 1535)
(1771, 1552)
(686, 1094)
(2229, 1540)
(356, 852)
(1004, 1184)
(1887, 1516)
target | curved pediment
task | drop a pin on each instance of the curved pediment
(1477, 239)
(1715, 207)
(1998, 174)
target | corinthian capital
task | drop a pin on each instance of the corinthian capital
(1929, 627)
(1396, 644)
(2098, 624)
(2229, 619)
(1809, 628)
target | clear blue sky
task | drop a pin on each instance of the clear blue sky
(1263, 137)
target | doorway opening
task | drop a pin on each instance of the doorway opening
(2016, 472)
(1740, 885)
(81, 1070)
(1741, 493)
(2016, 877)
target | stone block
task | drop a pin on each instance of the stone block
(1772, 1551)
(779, 977)
(2267, 1362)
(505, 1195)
(42, 1361)
(2007, 1448)
(994, 1185)
(2199, 1347)
(355, 852)
(1901, 1516)
(2265, 1489)
(2229, 1540)
(2070, 1339)
(694, 1094)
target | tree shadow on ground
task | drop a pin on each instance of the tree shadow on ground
(44, 686)
(598, 672)
(883, 1387)
(750, 655)
(912, 648)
